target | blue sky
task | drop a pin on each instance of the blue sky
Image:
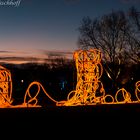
(38, 26)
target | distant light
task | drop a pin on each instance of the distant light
(22, 81)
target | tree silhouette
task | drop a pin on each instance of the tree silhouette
(117, 35)
(108, 34)
(133, 36)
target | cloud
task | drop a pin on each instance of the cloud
(58, 54)
(6, 52)
(19, 60)
(50, 55)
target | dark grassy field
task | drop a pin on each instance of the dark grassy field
(65, 122)
(106, 111)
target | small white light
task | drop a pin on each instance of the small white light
(22, 81)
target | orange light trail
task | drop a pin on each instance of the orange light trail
(89, 89)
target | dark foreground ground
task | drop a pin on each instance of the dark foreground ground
(88, 120)
(73, 113)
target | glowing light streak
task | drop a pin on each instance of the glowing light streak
(31, 101)
(5, 87)
(89, 89)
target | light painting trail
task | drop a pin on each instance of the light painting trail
(32, 101)
(5, 87)
(89, 89)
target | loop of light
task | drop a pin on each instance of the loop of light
(89, 89)
(5, 87)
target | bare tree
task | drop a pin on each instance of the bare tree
(133, 37)
(135, 16)
(109, 35)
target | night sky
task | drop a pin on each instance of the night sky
(37, 27)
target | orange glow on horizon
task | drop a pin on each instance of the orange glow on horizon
(31, 48)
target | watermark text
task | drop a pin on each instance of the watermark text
(14, 3)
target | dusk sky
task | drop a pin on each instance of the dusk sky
(37, 27)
